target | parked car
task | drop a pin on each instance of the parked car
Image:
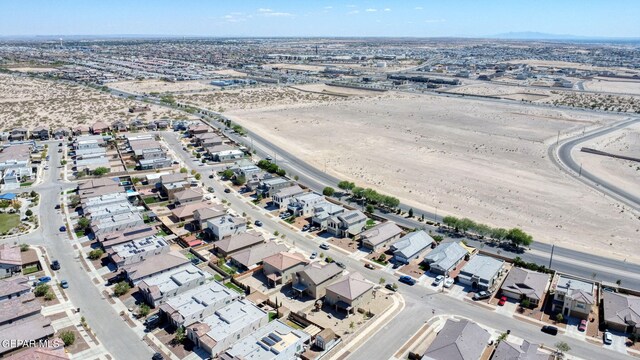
(63, 228)
(369, 266)
(227, 190)
(258, 223)
(211, 176)
(407, 280)
(268, 158)
(437, 280)
(157, 356)
(324, 246)
(313, 255)
(481, 295)
(210, 189)
(305, 227)
(342, 265)
(448, 282)
(583, 325)
(59, 150)
(44, 279)
(607, 338)
(57, 206)
(390, 287)
(55, 265)
(64, 284)
(502, 301)
(152, 321)
(548, 329)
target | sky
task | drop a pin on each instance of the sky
(392, 18)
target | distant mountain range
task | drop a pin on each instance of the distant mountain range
(532, 35)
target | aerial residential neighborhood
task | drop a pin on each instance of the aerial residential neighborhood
(318, 180)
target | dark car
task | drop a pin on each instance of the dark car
(258, 223)
(64, 284)
(369, 266)
(63, 228)
(548, 329)
(57, 206)
(55, 265)
(390, 287)
(152, 321)
(481, 295)
(407, 280)
(211, 176)
(227, 190)
(157, 356)
(342, 265)
(305, 227)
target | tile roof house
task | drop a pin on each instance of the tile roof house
(445, 257)
(275, 341)
(160, 287)
(253, 256)
(481, 272)
(281, 197)
(458, 340)
(527, 351)
(347, 223)
(208, 213)
(218, 332)
(323, 211)
(410, 246)
(10, 260)
(99, 127)
(349, 292)
(573, 296)
(14, 287)
(20, 318)
(155, 265)
(621, 312)
(187, 196)
(236, 243)
(194, 304)
(380, 235)
(523, 284)
(281, 268)
(187, 212)
(314, 279)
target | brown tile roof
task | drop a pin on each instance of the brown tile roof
(118, 237)
(35, 327)
(10, 255)
(285, 260)
(29, 257)
(526, 282)
(96, 183)
(211, 212)
(14, 285)
(37, 353)
(155, 264)
(381, 233)
(256, 254)
(187, 194)
(320, 273)
(351, 286)
(239, 241)
(18, 307)
(189, 209)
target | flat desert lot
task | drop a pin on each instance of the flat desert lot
(623, 173)
(618, 86)
(159, 86)
(28, 102)
(482, 160)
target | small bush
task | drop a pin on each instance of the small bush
(121, 288)
(95, 254)
(67, 337)
(41, 290)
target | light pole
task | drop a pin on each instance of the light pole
(580, 172)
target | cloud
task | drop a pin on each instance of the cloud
(418, 8)
(371, 10)
(328, 7)
(387, 9)
(353, 12)
(235, 17)
(434, 21)
(271, 13)
(351, 6)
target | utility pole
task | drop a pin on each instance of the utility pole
(580, 173)
(551, 256)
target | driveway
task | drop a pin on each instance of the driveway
(619, 342)
(572, 329)
(508, 308)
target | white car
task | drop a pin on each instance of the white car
(208, 197)
(437, 280)
(448, 282)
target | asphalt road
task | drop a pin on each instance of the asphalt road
(419, 300)
(112, 332)
(565, 158)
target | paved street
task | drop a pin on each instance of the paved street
(116, 336)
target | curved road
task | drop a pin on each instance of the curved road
(565, 161)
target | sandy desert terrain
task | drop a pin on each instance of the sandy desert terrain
(504, 91)
(617, 86)
(623, 173)
(270, 97)
(29, 102)
(159, 86)
(465, 157)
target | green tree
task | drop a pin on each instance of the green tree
(390, 202)
(74, 201)
(559, 317)
(67, 337)
(382, 281)
(450, 221)
(4, 204)
(96, 254)
(41, 290)
(519, 237)
(144, 310)
(370, 209)
(499, 233)
(83, 223)
(328, 191)
(227, 174)
(180, 336)
(193, 172)
(562, 347)
(437, 238)
(121, 288)
(24, 247)
(525, 303)
(239, 180)
(357, 192)
(16, 205)
(101, 171)
(198, 176)
(28, 212)
(411, 212)
(183, 170)
(346, 185)
(465, 224)
(281, 172)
